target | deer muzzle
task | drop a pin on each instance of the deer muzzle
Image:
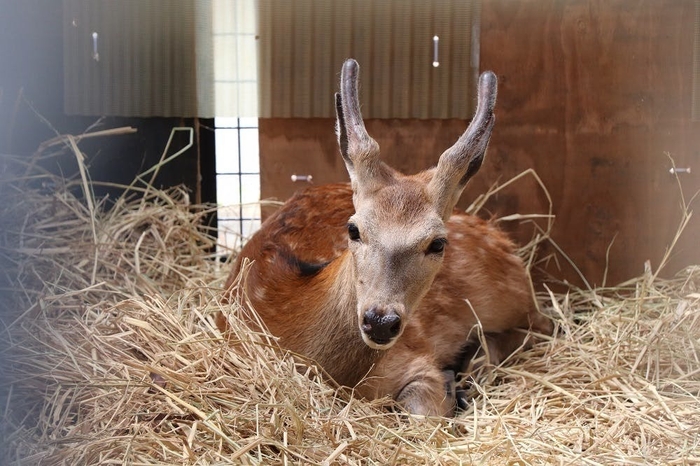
(380, 327)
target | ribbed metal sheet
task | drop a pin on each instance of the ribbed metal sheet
(695, 112)
(149, 58)
(303, 44)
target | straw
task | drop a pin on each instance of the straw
(110, 356)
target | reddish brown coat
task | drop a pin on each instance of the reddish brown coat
(293, 292)
(379, 281)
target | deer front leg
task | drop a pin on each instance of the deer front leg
(430, 394)
(414, 381)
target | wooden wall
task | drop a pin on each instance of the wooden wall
(592, 94)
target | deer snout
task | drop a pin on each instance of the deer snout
(380, 327)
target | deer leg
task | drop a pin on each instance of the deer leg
(431, 393)
(414, 380)
(495, 348)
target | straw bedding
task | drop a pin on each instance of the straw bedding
(110, 357)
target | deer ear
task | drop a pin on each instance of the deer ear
(460, 162)
(359, 151)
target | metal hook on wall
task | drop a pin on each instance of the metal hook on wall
(95, 53)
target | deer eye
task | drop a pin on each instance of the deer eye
(437, 246)
(353, 232)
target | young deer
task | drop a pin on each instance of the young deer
(381, 282)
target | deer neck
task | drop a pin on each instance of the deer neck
(341, 351)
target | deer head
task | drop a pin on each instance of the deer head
(397, 236)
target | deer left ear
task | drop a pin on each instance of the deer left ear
(459, 163)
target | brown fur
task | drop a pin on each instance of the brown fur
(481, 281)
(380, 278)
(479, 266)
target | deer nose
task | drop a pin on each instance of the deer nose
(381, 327)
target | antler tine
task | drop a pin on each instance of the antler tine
(359, 151)
(473, 142)
(360, 142)
(461, 161)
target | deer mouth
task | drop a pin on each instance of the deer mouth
(378, 344)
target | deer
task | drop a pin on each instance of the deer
(381, 281)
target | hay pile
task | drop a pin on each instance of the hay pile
(110, 357)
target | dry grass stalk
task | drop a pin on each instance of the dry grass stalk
(110, 357)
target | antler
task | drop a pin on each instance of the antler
(360, 152)
(461, 161)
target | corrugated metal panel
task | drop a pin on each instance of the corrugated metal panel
(303, 44)
(695, 112)
(148, 58)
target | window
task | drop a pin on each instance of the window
(237, 180)
(236, 125)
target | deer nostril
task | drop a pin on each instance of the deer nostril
(381, 328)
(394, 329)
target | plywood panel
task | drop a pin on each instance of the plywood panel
(145, 65)
(594, 93)
(309, 147)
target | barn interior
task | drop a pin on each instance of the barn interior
(118, 232)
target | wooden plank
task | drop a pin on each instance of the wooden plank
(590, 91)
(309, 146)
